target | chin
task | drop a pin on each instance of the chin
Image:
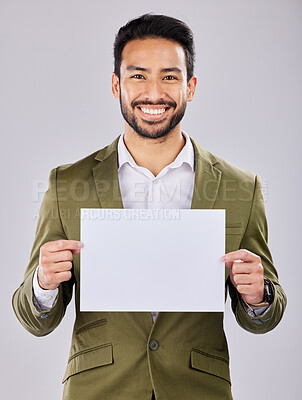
(152, 134)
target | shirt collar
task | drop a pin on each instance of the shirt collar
(186, 155)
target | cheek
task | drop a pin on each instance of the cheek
(179, 92)
(181, 96)
(124, 98)
(129, 94)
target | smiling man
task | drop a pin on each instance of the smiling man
(164, 356)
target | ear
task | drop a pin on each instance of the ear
(191, 88)
(115, 86)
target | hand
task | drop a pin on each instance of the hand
(55, 262)
(246, 273)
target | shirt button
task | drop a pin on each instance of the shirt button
(153, 345)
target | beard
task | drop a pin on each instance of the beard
(158, 129)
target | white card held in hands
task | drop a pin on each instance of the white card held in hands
(152, 260)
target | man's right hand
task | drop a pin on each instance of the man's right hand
(55, 262)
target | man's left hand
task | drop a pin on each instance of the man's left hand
(246, 273)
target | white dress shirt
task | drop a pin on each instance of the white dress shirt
(171, 188)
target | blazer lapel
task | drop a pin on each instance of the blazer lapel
(105, 176)
(207, 179)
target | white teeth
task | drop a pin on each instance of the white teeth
(152, 111)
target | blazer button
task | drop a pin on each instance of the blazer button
(153, 345)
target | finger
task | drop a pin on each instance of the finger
(64, 276)
(53, 268)
(243, 279)
(255, 269)
(242, 254)
(64, 255)
(230, 264)
(62, 266)
(245, 289)
(245, 268)
(77, 251)
(61, 244)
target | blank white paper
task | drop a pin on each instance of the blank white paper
(152, 260)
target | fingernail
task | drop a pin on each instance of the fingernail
(80, 245)
(224, 258)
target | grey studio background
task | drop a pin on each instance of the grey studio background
(56, 107)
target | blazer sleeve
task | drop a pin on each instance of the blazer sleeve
(49, 228)
(255, 239)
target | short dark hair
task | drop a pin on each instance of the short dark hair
(155, 26)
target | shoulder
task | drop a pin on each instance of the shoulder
(83, 167)
(84, 164)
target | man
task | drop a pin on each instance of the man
(167, 356)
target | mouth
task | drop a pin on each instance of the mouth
(153, 112)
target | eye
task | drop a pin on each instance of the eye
(137, 76)
(170, 77)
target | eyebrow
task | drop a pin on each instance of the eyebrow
(173, 69)
(137, 68)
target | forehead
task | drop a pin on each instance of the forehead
(154, 53)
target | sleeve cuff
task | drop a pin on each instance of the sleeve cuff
(43, 299)
(255, 310)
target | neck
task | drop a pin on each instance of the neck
(154, 154)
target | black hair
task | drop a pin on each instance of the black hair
(155, 26)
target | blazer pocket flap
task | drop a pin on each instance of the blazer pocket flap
(88, 359)
(211, 364)
(233, 230)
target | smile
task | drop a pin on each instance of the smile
(154, 112)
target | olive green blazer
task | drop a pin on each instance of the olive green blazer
(124, 355)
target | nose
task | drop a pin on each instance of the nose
(154, 91)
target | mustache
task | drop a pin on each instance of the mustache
(151, 103)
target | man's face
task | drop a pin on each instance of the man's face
(153, 88)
